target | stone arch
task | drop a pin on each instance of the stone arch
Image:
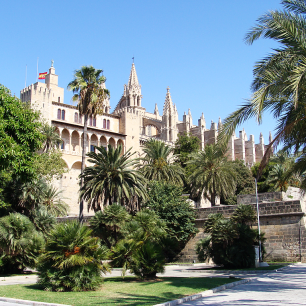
(77, 165)
(56, 130)
(121, 143)
(65, 137)
(75, 170)
(112, 142)
(93, 142)
(75, 136)
(103, 141)
(66, 163)
(151, 130)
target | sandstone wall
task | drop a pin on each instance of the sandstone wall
(281, 221)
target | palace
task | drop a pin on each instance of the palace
(129, 125)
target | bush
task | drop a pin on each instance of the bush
(20, 243)
(72, 259)
(230, 241)
(168, 203)
(107, 224)
(141, 250)
(148, 260)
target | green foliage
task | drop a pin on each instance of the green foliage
(112, 179)
(280, 173)
(51, 138)
(20, 243)
(50, 165)
(43, 221)
(230, 242)
(244, 214)
(24, 197)
(244, 182)
(107, 224)
(213, 175)
(20, 136)
(279, 83)
(158, 165)
(90, 94)
(148, 260)
(72, 259)
(169, 204)
(184, 146)
(262, 185)
(141, 249)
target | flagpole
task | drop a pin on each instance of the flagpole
(37, 71)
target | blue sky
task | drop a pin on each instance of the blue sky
(194, 47)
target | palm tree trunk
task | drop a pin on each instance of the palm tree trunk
(81, 215)
(213, 195)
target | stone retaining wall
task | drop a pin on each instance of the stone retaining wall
(281, 221)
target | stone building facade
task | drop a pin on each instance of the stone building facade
(282, 220)
(129, 125)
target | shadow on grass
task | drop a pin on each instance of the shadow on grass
(161, 290)
(138, 299)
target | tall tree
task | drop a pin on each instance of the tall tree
(214, 175)
(51, 138)
(20, 136)
(158, 165)
(112, 179)
(90, 95)
(279, 79)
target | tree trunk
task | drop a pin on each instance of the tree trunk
(213, 195)
(81, 215)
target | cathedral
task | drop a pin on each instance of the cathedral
(129, 125)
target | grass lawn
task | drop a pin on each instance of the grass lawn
(118, 291)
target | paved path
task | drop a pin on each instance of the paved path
(286, 287)
(170, 271)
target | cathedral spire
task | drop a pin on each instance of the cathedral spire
(156, 110)
(168, 105)
(133, 79)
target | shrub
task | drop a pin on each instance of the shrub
(148, 260)
(72, 259)
(141, 250)
(169, 204)
(107, 224)
(230, 241)
(20, 243)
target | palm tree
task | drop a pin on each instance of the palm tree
(20, 243)
(213, 175)
(112, 179)
(90, 94)
(279, 79)
(157, 164)
(51, 137)
(72, 259)
(52, 201)
(107, 224)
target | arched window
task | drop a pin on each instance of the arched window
(80, 118)
(76, 117)
(90, 120)
(94, 122)
(59, 114)
(108, 124)
(104, 123)
(63, 145)
(92, 148)
(63, 115)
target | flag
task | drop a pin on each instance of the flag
(42, 75)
